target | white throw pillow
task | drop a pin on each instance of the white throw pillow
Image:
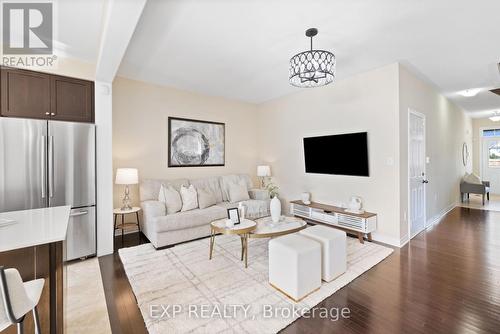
(189, 198)
(206, 198)
(171, 198)
(472, 178)
(238, 192)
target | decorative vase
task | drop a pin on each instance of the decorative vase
(306, 198)
(241, 209)
(275, 209)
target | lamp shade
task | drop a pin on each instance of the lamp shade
(263, 171)
(127, 176)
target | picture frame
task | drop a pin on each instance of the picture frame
(196, 143)
(234, 215)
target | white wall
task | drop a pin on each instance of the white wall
(365, 102)
(447, 128)
(104, 174)
(271, 133)
(140, 113)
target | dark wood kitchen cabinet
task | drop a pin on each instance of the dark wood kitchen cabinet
(71, 99)
(25, 93)
(33, 94)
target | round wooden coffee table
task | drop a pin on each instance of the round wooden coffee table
(242, 229)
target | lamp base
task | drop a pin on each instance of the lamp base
(126, 208)
(126, 200)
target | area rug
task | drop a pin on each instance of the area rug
(179, 290)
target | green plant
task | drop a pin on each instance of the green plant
(272, 188)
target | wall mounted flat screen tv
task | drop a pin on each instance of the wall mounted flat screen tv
(345, 154)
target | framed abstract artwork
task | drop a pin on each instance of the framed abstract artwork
(195, 143)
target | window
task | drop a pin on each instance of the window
(494, 154)
(491, 133)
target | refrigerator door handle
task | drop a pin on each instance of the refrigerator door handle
(80, 213)
(51, 166)
(43, 164)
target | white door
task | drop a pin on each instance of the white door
(491, 162)
(416, 172)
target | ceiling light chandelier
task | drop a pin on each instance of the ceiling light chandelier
(312, 68)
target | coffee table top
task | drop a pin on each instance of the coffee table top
(245, 226)
(267, 229)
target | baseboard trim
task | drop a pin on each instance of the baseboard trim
(385, 239)
(404, 240)
(437, 218)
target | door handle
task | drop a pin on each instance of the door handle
(80, 213)
(425, 181)
(51, 166)
(43, 166)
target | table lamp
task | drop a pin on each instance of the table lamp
(263, 172)
(126, 176)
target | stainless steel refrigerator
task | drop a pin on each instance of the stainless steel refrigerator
(51, 163)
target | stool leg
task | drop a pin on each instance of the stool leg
(36, 319)
(20, 327)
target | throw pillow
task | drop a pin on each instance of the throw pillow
(171, 198)
(189, 198)
(206, 198)
(472, 178)
(238, 192)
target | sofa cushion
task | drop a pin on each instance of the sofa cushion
(226, 180)
(209, 183)
(253, 208)
(150, 188)
(238, 192)
(206, 198)
(188, 219)
(171, 198)
(256, 208)
(189, 198)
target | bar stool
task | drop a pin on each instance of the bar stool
(18, 298)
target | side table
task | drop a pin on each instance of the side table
(123, 226)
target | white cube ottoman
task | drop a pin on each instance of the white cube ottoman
(295, 265)
(333, 250)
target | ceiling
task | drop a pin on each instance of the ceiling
(78, 27)
(239, 49)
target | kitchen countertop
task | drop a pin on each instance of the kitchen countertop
(33, 227)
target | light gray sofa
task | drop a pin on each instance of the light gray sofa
(164, 229)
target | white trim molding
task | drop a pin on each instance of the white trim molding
(437, 218)
(385, 239)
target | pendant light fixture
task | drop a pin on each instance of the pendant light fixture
(312, 68)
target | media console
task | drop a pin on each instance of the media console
(359, 224)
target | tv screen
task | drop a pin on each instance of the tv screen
(345, 154)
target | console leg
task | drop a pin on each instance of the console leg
(360, 238)
(370, 236)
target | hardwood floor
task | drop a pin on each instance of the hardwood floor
(124, 315)
(446, 280)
